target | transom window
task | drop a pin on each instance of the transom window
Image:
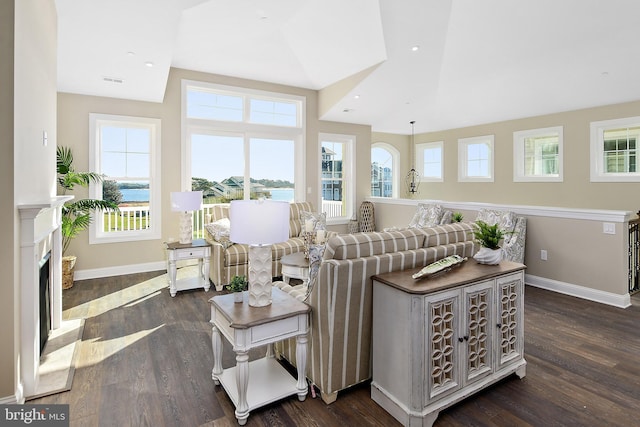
(475, 159)
(430, 157)
(614, 153)
(126, 151)
(242, 144)
(537, 155)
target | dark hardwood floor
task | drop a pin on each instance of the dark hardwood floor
(145, 360)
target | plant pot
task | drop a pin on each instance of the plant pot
(68, 264)
(237, 297)
(488, 256)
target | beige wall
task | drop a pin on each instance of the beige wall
(8, 218)
(73, 131)
(28, 28)
(575, 191)
(582, 260)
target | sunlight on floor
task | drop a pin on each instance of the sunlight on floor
(133, 294)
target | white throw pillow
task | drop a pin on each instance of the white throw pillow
(506, 220)
(220, 231)
(317, 221)
(427, 215)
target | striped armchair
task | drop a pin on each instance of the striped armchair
(228, 259)
(341, 297)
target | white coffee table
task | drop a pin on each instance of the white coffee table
(295, 266)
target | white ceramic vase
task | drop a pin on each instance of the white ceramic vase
(488, 256)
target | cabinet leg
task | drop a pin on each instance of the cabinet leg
(521, 371)
(242, 381)
(216, 344)
(301, 361)
(172, 278)
(429, 419)
(205, 273)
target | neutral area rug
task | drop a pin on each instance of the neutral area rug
(57, 363)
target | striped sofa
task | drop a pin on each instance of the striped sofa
(228, 260)
(341, 298)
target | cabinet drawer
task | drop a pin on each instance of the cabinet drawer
(190, 253)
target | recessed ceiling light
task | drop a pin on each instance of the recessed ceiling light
(149, 64)
(347, 110)
(131, 53)
(356, 97)
(414, 48)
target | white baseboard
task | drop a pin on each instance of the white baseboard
(17, 398)
(120, 270)
(616, 300)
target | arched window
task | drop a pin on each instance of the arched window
(384, 170)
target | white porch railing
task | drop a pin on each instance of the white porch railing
(332, 209)
(128, 218)
(137, 217)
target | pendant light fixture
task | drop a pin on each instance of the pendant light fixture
(413, 177)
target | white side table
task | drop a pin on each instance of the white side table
(198, 249)
(246, 327)
(295, 266)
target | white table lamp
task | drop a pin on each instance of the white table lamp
(259, 224)
(186, 202)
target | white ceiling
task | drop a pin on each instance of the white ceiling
(478, 61)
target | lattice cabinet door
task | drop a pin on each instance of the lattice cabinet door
(510, 319)
(478, 329)
(442, 373)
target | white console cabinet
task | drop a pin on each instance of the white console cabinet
(440, 339)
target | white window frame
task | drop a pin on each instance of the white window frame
(519, 160)
(348, 174)
(97, 235)
(246, 128)
(597, 151)
(395, 164)
(420, 149)
(463, 144)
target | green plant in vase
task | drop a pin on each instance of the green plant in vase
(237, 285)
(489, 238)
(457, 217)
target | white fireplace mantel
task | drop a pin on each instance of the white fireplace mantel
(40, 231)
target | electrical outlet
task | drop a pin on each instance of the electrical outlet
(608, 228)
(543, 254)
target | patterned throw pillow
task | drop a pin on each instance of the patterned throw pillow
(219, 231)
(506, 220)
(316, 221)
(427, 215)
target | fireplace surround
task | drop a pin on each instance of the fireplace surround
(40, 233)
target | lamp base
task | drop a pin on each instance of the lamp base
(260, 275)
(186, 228)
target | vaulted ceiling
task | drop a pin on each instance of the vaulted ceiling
(443, 63)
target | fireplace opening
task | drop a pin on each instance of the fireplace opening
(45, 302)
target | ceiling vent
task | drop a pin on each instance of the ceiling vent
(112, 80)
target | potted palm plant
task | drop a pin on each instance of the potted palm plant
(489, 238)
(76, 214)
